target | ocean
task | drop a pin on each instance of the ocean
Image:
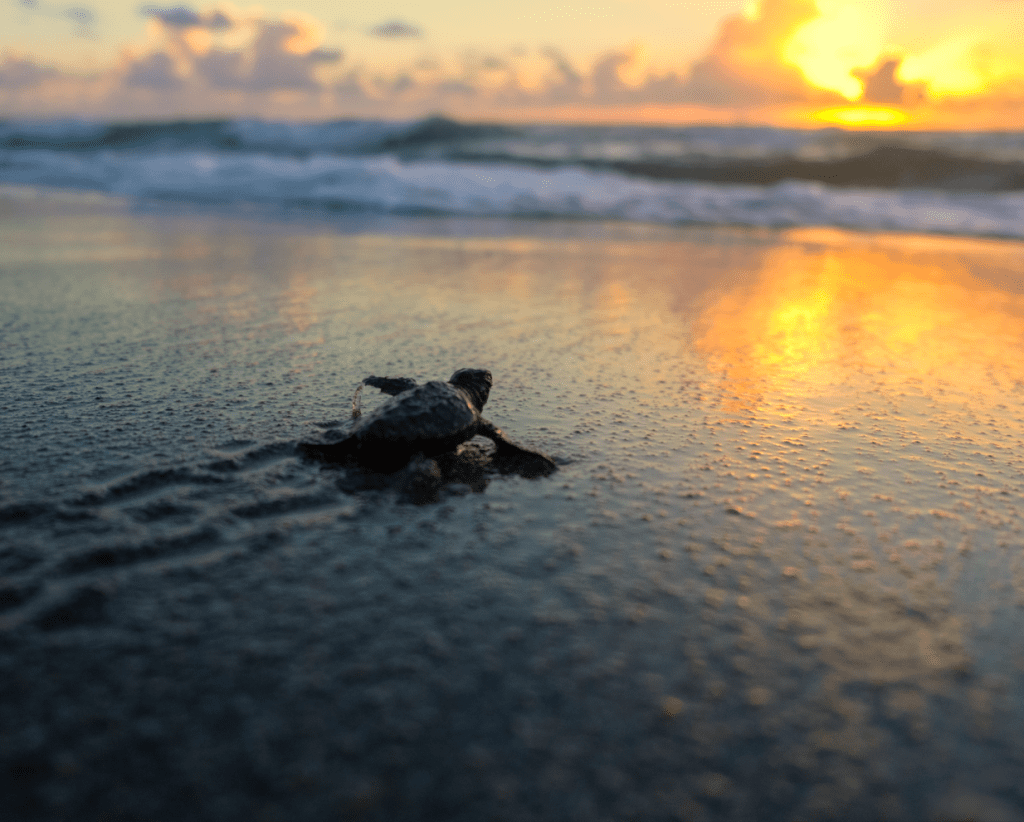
(961, 183)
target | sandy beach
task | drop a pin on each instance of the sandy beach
(778, 576)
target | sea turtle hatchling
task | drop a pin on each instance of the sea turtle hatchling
(429, 419)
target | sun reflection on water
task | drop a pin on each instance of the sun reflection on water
(816, 314)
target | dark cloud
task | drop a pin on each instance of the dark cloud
(457, 88)
(271, 61)
(182, 17)
(605, 79)
(350, 89)
(81, 15)
(395, 87)
(176, 18)
(881, 85)
(18, 73)
(325, 55)
(565, 83)
(492, 63)
(267, 64)
(396, 29)
(222, 69)
(275, 67)
(154, 71)
(564, 70)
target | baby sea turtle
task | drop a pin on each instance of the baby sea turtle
(429, 419)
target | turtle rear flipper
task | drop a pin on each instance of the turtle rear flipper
(328, 451)
(513, 458)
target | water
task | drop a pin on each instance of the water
(964, 183)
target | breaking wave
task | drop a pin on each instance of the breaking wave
(951, 183)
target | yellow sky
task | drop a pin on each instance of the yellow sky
(853, 63)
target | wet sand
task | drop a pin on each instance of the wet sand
(779, 574)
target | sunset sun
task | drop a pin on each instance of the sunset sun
(862, 116)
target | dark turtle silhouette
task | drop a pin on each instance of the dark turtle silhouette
(431, 420)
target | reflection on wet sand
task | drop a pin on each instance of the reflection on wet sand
(897, 380)
(816, 313)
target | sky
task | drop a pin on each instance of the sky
(855, 63)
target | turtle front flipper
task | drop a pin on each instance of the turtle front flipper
(514, 458)
(387, 385)
(341, 451)
(390, 385)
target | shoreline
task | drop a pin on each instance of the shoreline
(72, 200)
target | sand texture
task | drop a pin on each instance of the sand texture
(779, 574)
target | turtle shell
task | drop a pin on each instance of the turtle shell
(431, 419)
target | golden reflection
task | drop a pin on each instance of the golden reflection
(298, 301)
(614, 299)
(817, 313)
(230, 277)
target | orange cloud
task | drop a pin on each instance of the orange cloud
(279, 54)
(746, 63)
(881, 85)
(781, 61)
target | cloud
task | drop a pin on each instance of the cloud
(222, 61)
(182, 17)
(82, 16)
(881, 85)
(396, 29)
(605, 75)
(563, 83)
(746, 63)
(457, 88)
(155, 71)
(269, 63)
(197, 63)
(18, 73)
(279, 55)
(745, 66)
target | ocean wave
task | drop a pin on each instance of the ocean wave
(886, 166)
(284, 138)
(390, 184)
(977, 161)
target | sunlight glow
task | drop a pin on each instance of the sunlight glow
(952, 68)
(846, 36)
(805, 314)
(862, 116)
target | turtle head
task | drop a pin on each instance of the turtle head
(474, 381)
